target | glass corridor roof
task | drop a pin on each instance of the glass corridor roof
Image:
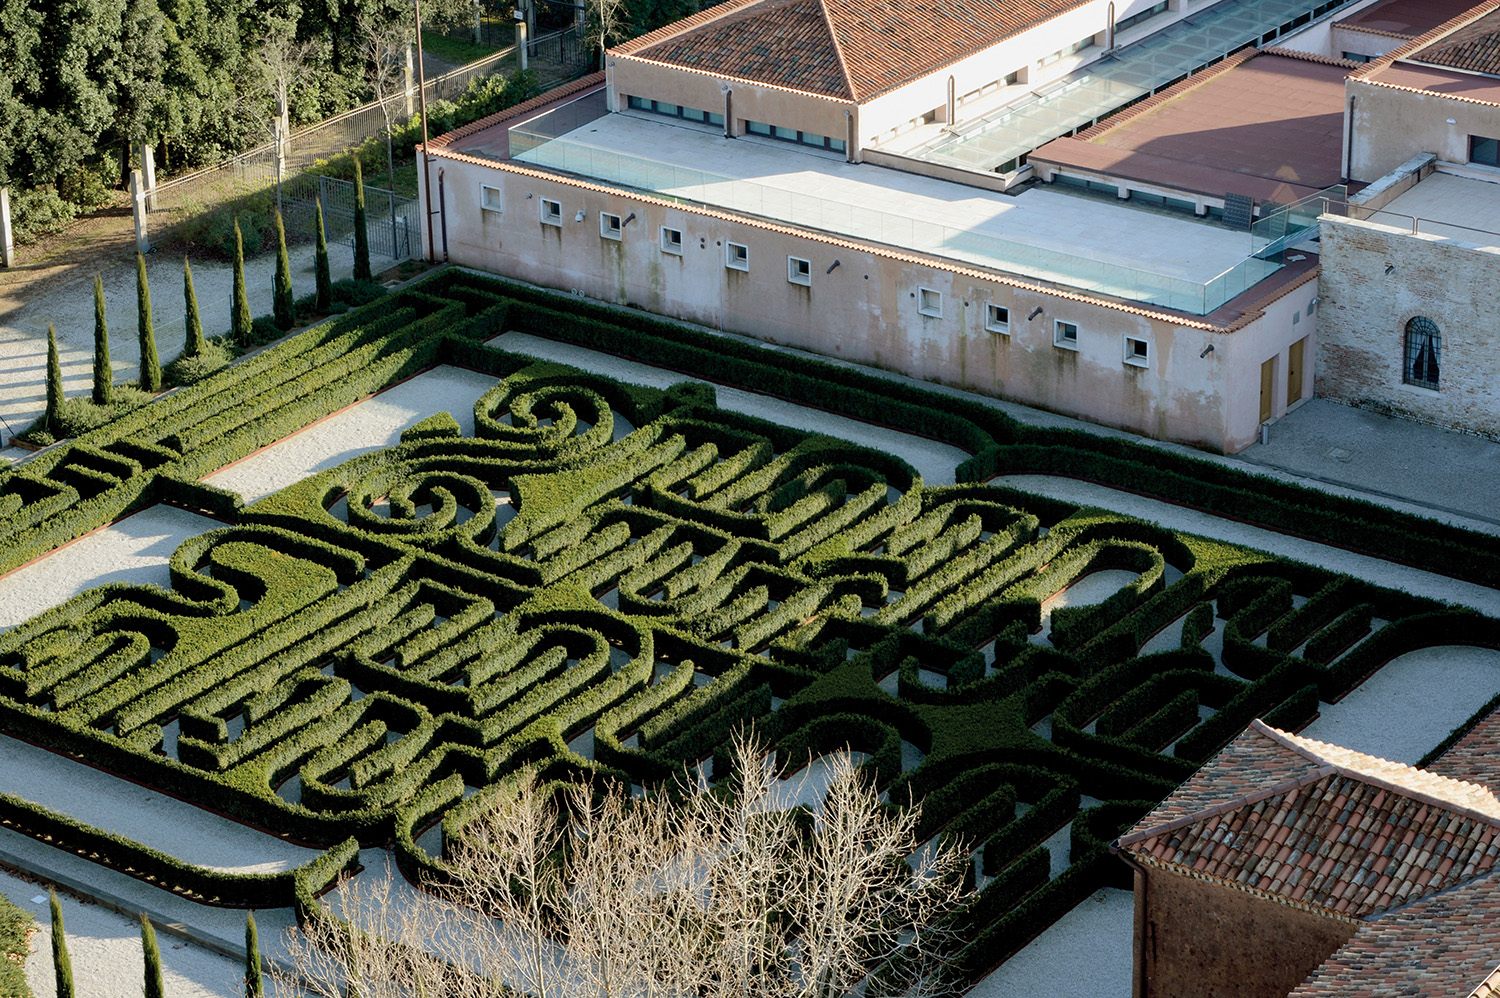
(1129, 73)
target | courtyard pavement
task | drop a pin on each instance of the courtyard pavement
(1397, 458)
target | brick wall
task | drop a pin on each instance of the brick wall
(1363, 313)
(1203, 940)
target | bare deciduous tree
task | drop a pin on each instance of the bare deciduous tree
(608, 22)
(698, 893)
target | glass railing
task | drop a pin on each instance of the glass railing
(538, 143)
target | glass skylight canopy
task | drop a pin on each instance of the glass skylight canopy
(1007, 133)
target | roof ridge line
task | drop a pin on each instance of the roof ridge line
(1421, 41)
(838, 50)
(1293, 742)
(708, 15)
(1323, 60)
(1224, 807)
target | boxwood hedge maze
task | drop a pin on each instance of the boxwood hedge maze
(612, 579)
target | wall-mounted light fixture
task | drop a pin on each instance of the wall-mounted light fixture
(832, 267)
(1388, 268)
(1206, 351)
(1034, 313)
(628, 219)
(579, 217)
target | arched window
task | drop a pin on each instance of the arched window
(1424, 353)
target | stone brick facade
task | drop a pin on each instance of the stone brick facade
(1374, 280)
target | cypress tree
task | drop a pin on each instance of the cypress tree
(54, 392)
(361, 236)
(283, 308)
(61, 964)
(104, 377)
(254, 987)
(150, 363)
(240, 320)
(195, 343)
(324, 297)
(154, 987)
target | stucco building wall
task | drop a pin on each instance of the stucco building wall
(863, 305)
(1392, 125)
(1364, 311)
(1203, 940)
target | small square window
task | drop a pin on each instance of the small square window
(1137, 351)
(930, 302)
(737, 256)
(799, 271)
(997, 319)
(490, 199)
(1296, 317)
(671, 241)
(551, 212)
(1065, 334)
(609, 226)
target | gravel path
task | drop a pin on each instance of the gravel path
(135, 549)
(933, 460)
(1381, 573)
(1448, 684)
(70, 306)
(1085, 954)
(366, 426)
(105, 949)
(150, 818)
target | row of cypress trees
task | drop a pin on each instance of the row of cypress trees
(62, 964)
(284, 312)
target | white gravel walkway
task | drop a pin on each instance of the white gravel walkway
(1409, 706)
(135, 549)
(105, 950)
(152, 819)
(1374, 570)
(935, 461)
(1085, 954)
(370, 425)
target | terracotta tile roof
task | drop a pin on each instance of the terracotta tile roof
(1439, 947)
(846, 49)
(1475, 756)
(1406, 18)
(1475, 47)
(1321, 827)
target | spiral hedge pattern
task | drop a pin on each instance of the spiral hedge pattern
(611, 580)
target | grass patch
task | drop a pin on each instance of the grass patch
(16, 928)
(454, 50)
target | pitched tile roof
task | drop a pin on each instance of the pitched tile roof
(1441, 946)
(846, 49)
(1475, 47)
(1475, 756)
(1321, 827)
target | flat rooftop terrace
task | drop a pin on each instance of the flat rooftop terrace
(1452, 207)
(1082, 242)
(1269, 126)
(1407, 17)
(1003, 134)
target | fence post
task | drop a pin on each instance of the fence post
(148, 173)
(478, 25)
(7, 236)
(521, 40)
(138, 208)
(411, 84)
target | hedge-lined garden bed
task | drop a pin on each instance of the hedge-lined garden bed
(348, 658)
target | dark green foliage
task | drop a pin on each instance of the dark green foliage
(152, 952)
(62, 964)
(633, 569)
(283, 308)
(104, 376)
(53, 417)
(361, 230)
(240, 320)
(323, 296)
(15, 930)
(150, 380)
(194, 342)
(254, 986)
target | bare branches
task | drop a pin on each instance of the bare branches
(580, 893)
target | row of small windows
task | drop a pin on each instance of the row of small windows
(674, 110)
(793, 135)
(1126, 23)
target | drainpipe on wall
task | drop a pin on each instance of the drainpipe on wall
(1349, 139)
(1109, 30)
(728, 110)
(1138, 970)
(851, 140)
